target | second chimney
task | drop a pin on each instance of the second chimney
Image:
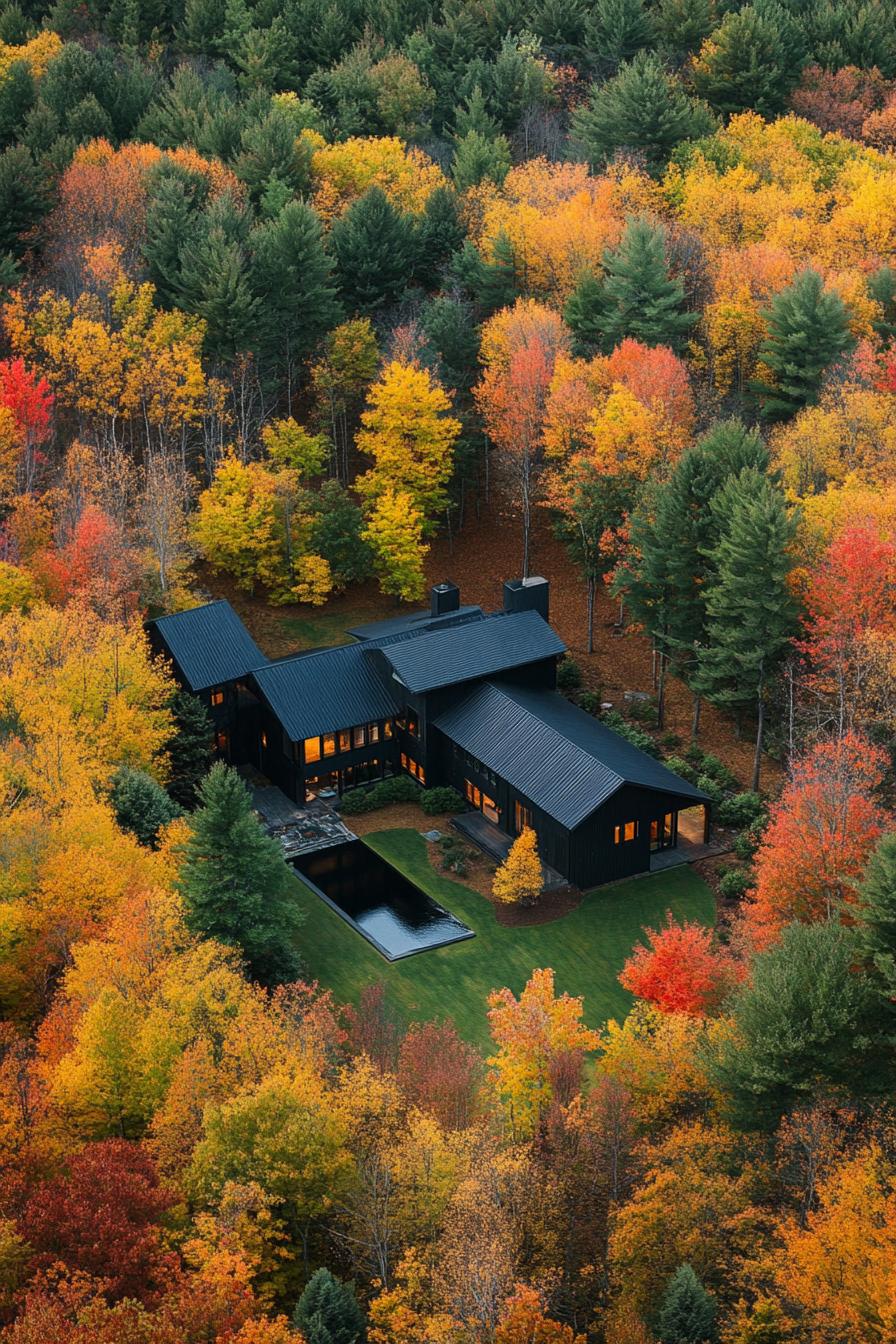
(444, 598)
(527, 595)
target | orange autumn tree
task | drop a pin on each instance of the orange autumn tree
(819, 838)
(525, 1321)
(680, 969)
(536, 1035)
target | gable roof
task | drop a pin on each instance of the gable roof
(210, 644)
(560, 758)
(416, 622)
(464, 652)
(321, 692)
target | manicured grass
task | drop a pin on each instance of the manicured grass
(586, 948)
(321, 630)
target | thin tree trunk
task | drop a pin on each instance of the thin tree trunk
(695, 720)
(760, 732)
(661, 692)
(591, 587)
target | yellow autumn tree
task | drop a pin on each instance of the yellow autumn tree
(533, 1033)
(519, 881)
(343, 171)
(394, 533)
(410, 436)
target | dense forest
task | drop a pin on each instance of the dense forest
(290, 294)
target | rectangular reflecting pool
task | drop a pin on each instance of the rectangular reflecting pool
(389, 910)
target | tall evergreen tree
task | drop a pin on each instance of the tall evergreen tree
(617, 29)
(328, 1311)
(882, 289)
(478, 157)
(270, 150)
(375, 246)
(687, 1313)
(683, 24)
(235, 884)
(643, 109)
(584, 313)
(441, 233)
(743, 64)
(876, 916)
(292, 276)
(751, 615)
(638, 296)
(808, 329)
(190, 747)
(23, 198)
(805, 1020)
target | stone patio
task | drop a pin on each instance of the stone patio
(300, 829)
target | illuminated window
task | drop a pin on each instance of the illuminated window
(345, 740)
(329, 744)
(472, 794)
(373, 732)
(627, 831)
(522, 816)
(387, 728)
(217, 696)
(264, 739)
(312, 749)
(412, 725)
(222, 741)
(360, 737)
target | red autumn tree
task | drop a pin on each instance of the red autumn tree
(819, 838)
(840, 100)
(101, 1218)
(657, 377)
(27, 396)
(525, 1321)
(96, 565)
(680, 969)
(851, 594)
(440, 1073)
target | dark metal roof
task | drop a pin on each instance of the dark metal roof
(210, 644)
(321, 692)
(459, 653)
(415, 622)
(557, 756)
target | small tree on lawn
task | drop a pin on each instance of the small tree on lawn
(518, 881)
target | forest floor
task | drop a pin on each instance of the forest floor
(586, 948)
(481, 557)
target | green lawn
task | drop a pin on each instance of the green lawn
(320, 630)
(586, 948)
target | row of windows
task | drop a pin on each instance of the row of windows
(662, 833)
(413, 767)
(410, 724)
(347, 739)
(487, 806)
(628, 830)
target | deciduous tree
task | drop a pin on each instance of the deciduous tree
(519, 879)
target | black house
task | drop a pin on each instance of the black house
(453, 695)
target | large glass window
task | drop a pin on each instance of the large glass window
(329, 744)
(345, 740)
(373, 732)
(217, 696)
(312, 750)
(522, 817)
(360, 737)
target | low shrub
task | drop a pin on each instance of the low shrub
(733, 884)
(671, 741)
(398, 789)
(694, 754)
(711, 788)
(679, 766)
(642, 711)
(590, 701)
(718, 770)
(742, 809)
(747, 843)
(441, 799)
(569, 675)
(638, 738)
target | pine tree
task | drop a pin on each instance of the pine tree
(643, 109)
(375, 246)
(234, 882)
(141, 805)
(683, 24)
(808, 329)
(23, 198)
(751, 615)
(882, 289)
(190, 748)
(441, 233)
(271, 149)
(585, 312)
(639, 297)
(477, 157)
(519, 879)
(617, 29)
(292, 273)
(335, 534)
(876, 917)
(171, 225)
(328, 1311)
(17, 95)
(743, 65)
(687, 1314)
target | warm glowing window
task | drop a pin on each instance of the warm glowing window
(329, 744)
(222, 741)
(522, 816)
(472, 794)
(373, 732)
(627, 831)
(360, 736)
(264, 739)
(345, 740)
(387, 728)
(412, 725)
(312, 749)
(217, 696)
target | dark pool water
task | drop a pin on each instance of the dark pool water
(382, 904)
